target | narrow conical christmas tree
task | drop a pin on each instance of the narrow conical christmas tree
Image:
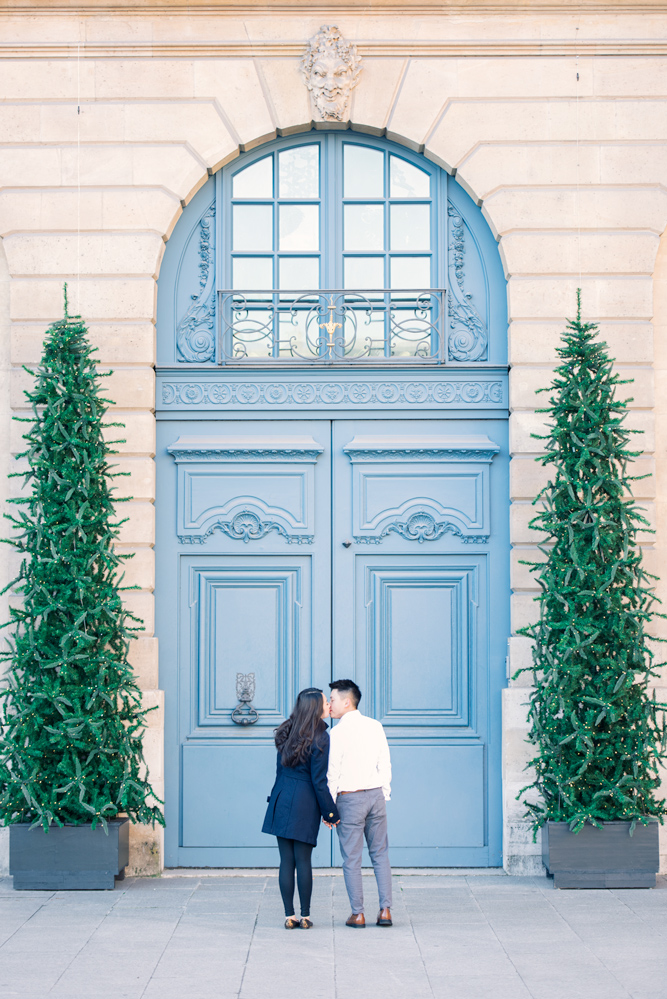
(71, 718)
(598, 731)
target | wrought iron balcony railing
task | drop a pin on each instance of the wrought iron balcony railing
(336, 326)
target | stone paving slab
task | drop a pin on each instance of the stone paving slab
(219, 935)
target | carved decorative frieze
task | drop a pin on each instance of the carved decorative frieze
(468, 337)
(195, 333)
(225, 393)
(422, 526)
(330, 67)
(246, 526)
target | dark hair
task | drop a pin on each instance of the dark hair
(295, 737)
(347, 687)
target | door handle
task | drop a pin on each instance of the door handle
(244, 713)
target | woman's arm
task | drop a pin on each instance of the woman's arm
(319, 760)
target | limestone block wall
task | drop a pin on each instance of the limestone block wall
(556, 124)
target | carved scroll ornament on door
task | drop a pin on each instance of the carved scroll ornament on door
(245, 489)
(421, 488)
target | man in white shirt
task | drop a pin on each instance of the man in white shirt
(359, 778)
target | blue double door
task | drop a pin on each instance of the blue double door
(293, 552)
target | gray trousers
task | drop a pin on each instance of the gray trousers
(363, 813)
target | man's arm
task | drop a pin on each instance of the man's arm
(384, 763)
(335, 761)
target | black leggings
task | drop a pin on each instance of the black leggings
(295, 854)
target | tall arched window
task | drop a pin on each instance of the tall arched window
(334, 248)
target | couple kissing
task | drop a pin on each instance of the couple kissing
(342, 777)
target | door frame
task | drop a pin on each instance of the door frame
(477, 394)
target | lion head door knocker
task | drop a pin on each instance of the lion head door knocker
(244, 713)
(330, 68)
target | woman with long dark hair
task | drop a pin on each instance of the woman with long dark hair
(300, 797)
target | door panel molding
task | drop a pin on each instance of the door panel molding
(227, 602)
(431, 609)
(390, 496)
(245, 488)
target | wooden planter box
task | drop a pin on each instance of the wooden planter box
(608, 857)
(68, 857)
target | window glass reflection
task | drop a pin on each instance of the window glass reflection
(292, 334)
(406, 180)
(364, 334)
(364, 273)
(255, 181)
(411, 272)
(412, 331)
(299, 227)
(252, 273)
(299, 273)
(410, 227)
(364, 227)
(299, 172)
(252, 227)
(363, 172)
(253, 333)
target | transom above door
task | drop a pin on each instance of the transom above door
(332, 248)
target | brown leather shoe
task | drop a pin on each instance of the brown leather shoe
(357, 920)
(384, 918)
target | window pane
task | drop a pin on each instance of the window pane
(363, 172)
(364, 334)
(252, 273)
(252, 227)
(411, 272)
(255, 181)
(293, 335)
(412, 333)
(364, 273)
(299, 273)
(364, 227)
(253, 333)
(299, 227)
(406, 180)
(299, 172)
(410, 227)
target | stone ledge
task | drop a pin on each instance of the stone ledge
(329, 872)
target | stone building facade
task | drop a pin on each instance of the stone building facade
(551, 116)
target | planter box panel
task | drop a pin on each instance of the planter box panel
(68, 857)
(601, 858)
(598, 879)
(64, 881)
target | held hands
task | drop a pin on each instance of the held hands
(330, 825)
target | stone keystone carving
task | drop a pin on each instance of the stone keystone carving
(331, 68)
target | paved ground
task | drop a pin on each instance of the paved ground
(479, 937)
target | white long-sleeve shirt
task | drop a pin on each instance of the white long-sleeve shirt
(358, 756)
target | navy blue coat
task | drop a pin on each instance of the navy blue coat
(300, 797)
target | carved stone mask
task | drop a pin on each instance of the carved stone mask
(331, 69)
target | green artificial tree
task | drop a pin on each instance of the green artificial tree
(598, 731)
(71, 720)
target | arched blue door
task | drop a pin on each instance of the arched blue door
(332, 490)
